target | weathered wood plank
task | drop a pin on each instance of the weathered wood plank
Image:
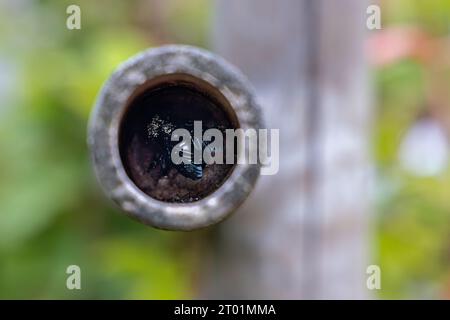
(304, 232)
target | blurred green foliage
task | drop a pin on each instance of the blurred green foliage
(52, 213)
(413, 213)
(431, 15)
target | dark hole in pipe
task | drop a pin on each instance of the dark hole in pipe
(179, 100)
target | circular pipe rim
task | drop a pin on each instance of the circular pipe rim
(104, 125)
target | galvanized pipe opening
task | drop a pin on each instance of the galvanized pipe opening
(180, 99)
(173, 85)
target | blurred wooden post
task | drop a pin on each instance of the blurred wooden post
(303, 233)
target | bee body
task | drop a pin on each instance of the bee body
(160, 130)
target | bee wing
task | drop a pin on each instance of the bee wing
(191, 171)
(197, 143)
(184, 149)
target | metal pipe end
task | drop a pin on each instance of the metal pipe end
(185, 83)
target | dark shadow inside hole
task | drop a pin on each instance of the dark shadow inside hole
(145, 151)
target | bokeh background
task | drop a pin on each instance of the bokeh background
(52, 213)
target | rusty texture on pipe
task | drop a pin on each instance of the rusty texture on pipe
(161, 66)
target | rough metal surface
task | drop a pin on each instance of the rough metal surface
(103, 136)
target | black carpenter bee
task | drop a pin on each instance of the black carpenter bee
(160, 130)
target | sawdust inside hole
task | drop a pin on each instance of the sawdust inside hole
(181, 102)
